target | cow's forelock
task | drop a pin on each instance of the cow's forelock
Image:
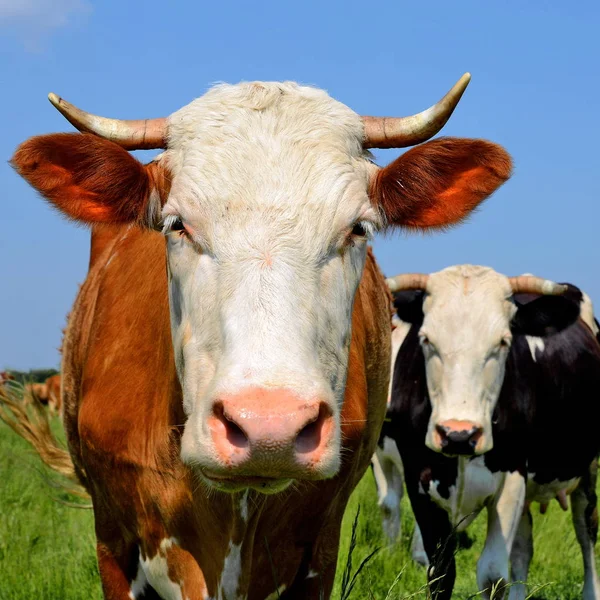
(465, 337)
(269, 178)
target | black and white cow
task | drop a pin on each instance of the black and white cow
(495, 403)
(387, 468)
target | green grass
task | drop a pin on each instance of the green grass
(47, 549)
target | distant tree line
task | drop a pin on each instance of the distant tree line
(32, 376)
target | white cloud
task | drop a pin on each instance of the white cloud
(33, 20)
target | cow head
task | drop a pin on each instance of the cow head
(267, 197)
(468, 316)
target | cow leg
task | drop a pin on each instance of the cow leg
(120, 575)
(439, 541)
(520, 558)
(316, 583)
(168, 573)
(585, 519)
(390, 487)
(504, 515)
(418, 549)
(316, 572)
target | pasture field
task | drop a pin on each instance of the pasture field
(47, 548)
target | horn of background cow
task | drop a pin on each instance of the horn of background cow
(528, 284)
(407, 281)
(400, 132)
(141, 134)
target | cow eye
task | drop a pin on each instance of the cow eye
(359, 229)
(173, 224)
(504, 342)
(177, 224)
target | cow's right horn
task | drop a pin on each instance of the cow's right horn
(407, 281)
(141, 134)
(528, 284)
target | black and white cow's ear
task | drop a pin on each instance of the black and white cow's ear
(545, 315)
(409, 305)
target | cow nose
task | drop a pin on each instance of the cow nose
(270, 432)
(458, 437)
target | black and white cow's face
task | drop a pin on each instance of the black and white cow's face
(468, 317)
(465, 337)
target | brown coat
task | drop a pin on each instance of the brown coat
(124, 419)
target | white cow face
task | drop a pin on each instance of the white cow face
(465, 338)
(267, 225)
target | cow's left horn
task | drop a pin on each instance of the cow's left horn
(400, 132)
(407, 281)
(142, 134)
(528, 284)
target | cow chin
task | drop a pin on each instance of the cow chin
(232, 485)
(232, 482)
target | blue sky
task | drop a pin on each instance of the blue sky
(535, 89)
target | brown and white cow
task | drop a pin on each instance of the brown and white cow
(225, 381)
(6, 377)
(36, 392)
(53, 390)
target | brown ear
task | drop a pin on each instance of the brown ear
(439, 183)
(88, 178)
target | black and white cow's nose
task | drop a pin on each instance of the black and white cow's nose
(458, 437)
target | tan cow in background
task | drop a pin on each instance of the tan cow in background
(53, 393)
(35, 391)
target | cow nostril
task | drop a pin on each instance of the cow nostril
(310, 435)
(233, 432)
(476, 433)
(443, 433)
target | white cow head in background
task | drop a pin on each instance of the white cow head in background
(467, 318)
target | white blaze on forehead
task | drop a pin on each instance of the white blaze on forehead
(276, 146)
(467, 307)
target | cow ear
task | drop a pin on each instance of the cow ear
(90, 179)
(439, 183)
(409, 305)
(546, 315)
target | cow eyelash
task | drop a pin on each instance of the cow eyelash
(173, 223)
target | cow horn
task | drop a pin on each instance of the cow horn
(142, 134)
(400, 132)
(528, 284)
(407, 281)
